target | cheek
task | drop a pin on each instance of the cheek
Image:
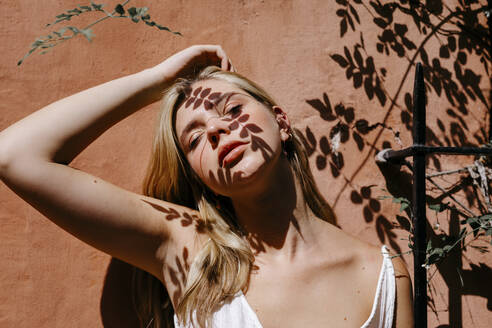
(271, 131)
(199, 162)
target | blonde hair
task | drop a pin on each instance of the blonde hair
(222, 268)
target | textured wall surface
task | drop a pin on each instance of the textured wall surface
(342, 72)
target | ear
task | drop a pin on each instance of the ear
(283, 122)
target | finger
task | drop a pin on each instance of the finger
(224, 61)
(220, 54)
(231, 67)
(224, 65)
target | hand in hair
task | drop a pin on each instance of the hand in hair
(192, 60)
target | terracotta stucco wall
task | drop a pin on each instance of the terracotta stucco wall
(50, 279)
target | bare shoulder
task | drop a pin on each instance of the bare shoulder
(364, 255)
(366, 264)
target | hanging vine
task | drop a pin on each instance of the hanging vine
(47, 42)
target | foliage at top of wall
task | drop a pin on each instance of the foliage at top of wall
(47, 42)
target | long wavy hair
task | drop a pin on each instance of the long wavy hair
(222, 267)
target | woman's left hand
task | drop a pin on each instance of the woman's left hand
(192, 60)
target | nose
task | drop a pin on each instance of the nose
(216, 127)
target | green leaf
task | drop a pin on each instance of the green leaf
(132, 11)
(97, 7)
(485, 218)
(160, 27)
(73, 29)
(400, 200)
(119, 9)
(141, 11)
(26, 55)
(437, 207)
(70, 13)
(403, 206)
(88, 34)
(75, 11)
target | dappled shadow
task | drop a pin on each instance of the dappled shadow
(185, 218)
(238, 120)
(462, 35)
(456, 73)
(176, 270)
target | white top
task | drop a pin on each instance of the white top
(237, 313)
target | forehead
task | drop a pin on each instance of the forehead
(203, 93)
(202, 97)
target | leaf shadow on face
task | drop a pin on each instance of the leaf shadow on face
(225, 177)
(237, 120)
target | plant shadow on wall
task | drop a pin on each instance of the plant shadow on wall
(463, 36)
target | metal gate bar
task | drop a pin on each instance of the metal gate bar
(419, 150)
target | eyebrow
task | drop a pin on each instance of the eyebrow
(194, 123)
(223, 96)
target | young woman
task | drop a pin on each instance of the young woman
(232, 231)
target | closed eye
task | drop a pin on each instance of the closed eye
(195, 139)
(235, 110)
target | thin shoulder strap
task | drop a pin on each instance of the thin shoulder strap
(384, 300)
(388, 290)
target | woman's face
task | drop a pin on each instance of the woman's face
(227, 136)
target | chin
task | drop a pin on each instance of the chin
(251, 178)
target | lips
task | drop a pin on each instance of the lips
(227, 149)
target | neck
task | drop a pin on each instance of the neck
(276, 218)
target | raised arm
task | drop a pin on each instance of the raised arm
(35, 153)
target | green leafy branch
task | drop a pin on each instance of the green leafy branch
(404, 202)
(76, 12)
(47, 42)
(480, 226)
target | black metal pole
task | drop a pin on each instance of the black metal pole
(419, 151)
(489, 22)
(419, 220)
